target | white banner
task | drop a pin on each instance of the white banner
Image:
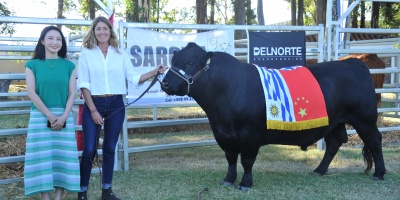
(148, 49)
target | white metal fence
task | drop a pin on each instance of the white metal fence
(339, 45)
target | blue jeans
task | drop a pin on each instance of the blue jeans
(106, 106)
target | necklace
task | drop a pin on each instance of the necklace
(52, 66)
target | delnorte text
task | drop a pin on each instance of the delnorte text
(277, 51)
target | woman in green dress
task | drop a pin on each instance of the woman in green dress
(51, 157)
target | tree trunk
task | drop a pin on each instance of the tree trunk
(260, 13)
(321, 11)
(300, 19)
(293, 11)
(142, 11)
(354, 18)
(136, 11)
(375, 14)
(92, 9)
(201, 11)
(212, 11)
(389, 11)
(346, 37)
(158, 11)
(60, 11)
(362, 20)
(249, 12)
(147, 12)
(240, 18)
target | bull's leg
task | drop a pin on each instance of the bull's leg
(231, 176)
(248, 157)
(372, 150)
(333, 141)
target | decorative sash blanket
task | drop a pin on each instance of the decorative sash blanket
(293, 98)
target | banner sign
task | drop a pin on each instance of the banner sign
(277, 49)
(149, 48)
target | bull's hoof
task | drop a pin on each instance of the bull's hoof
(226, 184)
(378, 178)
(243, 188)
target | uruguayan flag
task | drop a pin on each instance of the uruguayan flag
(277, 96)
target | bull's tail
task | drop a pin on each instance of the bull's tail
(368, 159)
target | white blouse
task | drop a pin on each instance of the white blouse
(106, 75)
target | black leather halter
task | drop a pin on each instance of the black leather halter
(189, 78)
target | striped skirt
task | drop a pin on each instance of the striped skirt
(51, 157)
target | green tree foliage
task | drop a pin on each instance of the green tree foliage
(310, 14)
(390, 15)
(68, 6)
(6, 28)
(139, 10)
(224, 8)
(88, 9)
(129, 10)
(250, 14)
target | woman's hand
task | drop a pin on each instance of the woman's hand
(150, 74)
(57, 122)
(160, 68)
(97, 118)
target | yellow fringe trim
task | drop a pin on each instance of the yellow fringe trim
(297, 126)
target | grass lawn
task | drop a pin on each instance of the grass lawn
(280, 172)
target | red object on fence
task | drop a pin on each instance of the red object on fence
(111, 19)
(79, 134)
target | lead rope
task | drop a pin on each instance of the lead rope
(147, 89)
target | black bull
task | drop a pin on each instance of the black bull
(231, 94)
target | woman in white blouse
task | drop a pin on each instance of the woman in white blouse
(102, 74)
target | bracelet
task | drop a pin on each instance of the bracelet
(91, 112)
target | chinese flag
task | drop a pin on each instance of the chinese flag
(308, 101)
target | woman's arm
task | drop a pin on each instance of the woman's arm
(144, 77)
(97, 118)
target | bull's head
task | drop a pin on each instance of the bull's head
(187, 65)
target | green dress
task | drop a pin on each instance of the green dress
(51, 157)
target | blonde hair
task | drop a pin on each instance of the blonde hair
(90, 41)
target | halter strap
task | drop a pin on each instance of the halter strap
(189, 78)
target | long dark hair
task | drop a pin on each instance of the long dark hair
(40, 52)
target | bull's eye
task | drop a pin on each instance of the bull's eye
(186, 66)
